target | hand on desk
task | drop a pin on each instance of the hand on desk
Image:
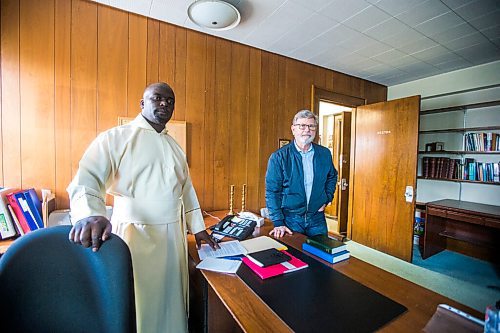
(91, 231)
(280, 231)
(204, 236)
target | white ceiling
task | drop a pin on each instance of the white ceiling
(385, 41)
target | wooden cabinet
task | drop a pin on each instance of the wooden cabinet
(467, 222)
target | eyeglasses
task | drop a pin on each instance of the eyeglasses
(303, 126)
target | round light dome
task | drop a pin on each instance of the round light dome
(214, 14)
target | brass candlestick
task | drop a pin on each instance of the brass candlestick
(243, 195)
(231, 200)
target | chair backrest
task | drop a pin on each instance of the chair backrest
(48, 284)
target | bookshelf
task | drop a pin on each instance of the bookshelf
(463, 138)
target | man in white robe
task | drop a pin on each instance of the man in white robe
(155, 204)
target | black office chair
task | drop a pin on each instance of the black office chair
(48, 284)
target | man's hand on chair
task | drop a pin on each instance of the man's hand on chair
(91, 231)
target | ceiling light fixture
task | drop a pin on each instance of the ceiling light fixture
(214, 14)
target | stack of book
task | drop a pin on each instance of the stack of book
(272, 262)
(326, 248)
(20, 212)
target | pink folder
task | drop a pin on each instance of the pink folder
(274, 270)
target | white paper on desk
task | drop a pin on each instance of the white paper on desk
(231, 248)
(219, 265)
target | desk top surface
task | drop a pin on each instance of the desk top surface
(467, 206)
(252, 314)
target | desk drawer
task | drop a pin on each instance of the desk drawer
(465, 217)
(436, 211)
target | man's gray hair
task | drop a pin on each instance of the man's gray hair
(306, 114)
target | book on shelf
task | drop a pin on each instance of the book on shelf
(326, 244)
(7, 224)
(268, 257)
(331, 258)
(294, 264)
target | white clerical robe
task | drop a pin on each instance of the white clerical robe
(154, 204)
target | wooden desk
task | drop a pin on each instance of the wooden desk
(224, 303)
(4, 244)
(462, 226)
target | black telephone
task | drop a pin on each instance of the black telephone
(235, 227)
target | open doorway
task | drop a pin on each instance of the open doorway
(335, 134)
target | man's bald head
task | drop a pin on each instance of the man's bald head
(157, 104)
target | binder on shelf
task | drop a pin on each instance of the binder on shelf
(34, 197)
(34, 204)
(18, 211)
(270, 271)
(7, 224)
(268, 257)
(326, 244)
(331, 258)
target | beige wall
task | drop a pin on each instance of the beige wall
(69, 69)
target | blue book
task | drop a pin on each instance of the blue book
(33, 204)
(331, 258)
(30, 218)
(34, 198)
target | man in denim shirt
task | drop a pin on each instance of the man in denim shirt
(300, 181)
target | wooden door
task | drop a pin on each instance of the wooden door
(331, 136)
(344, 159)
(383, 164)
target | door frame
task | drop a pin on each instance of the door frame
(320, 94)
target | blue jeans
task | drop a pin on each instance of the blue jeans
(308, 224)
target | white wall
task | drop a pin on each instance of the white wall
(467, 86)
(472, 78)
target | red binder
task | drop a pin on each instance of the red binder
(274, 270)
(19, 212)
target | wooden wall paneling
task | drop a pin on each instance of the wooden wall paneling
(62, 105)
(255, 190)
(112, 46)
(277, 88)
(11, 120)
(307, 73)
(269, 109)
(211, 129)
(223, 127)
(83, 78)
(347, 85)
(238, 118)
(195, 96)
(181, 72)
(153, 50)
(166, 61)
(319, 79)
(329, 80)
(374, 92)
(36, 59)
(292, 94)
(136, 69)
